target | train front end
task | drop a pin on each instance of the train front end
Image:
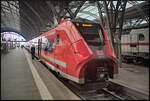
(101, 63)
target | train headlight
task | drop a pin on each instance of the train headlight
(102, 75)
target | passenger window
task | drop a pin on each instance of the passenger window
(141, 37)
(49, 46)
(57, 39)
(44, 43)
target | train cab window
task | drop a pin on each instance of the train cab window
(49, 45)
(57, 39)
(92, 34)
(141, 37)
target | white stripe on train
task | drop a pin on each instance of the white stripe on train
(61, 63)
(81, 80)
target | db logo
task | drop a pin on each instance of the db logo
(100, 52)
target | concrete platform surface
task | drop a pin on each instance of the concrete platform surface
(17, 82)
(134, 76)
(23, 78)
(56, 88)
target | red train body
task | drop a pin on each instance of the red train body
(78, 51)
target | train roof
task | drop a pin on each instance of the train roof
(141, 30)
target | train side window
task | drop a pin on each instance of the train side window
(57, 39)
(49, 45)
(44, 43)
(141, 37)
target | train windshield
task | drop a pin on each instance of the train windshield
(92, 33)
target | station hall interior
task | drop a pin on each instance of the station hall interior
(74, 50)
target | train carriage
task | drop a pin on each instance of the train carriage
(79, 51)
(135, 46)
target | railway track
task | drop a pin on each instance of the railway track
(127, 92)
(113, 91)
(99, 94)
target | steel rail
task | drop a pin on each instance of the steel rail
(128, 91)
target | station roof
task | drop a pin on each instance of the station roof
(30, 19)
(90, 12)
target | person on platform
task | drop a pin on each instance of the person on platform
(33, 51)
(22, 46)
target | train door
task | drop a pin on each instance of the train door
(143, 48)
(144, 43)
(39, 47)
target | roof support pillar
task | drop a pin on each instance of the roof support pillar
(99, 6)
(115, 17)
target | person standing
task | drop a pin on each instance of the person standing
(22, 46)
(33, 51)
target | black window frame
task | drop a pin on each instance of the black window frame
(57, 39)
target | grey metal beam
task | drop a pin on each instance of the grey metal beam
(5, 15)
(27, 23)
(35, 12)
(138, 7)
(78, 8)
(115, 19)
(4, 22)
(51, 5)
(70, 12)
(99, 6)
(37, 31)
(11, 11)
(89, 13)
(30, 20)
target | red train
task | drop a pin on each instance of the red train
(79, 51)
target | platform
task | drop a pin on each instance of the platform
(26, 79)
(134, 76)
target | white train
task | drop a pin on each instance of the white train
(135, 46)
